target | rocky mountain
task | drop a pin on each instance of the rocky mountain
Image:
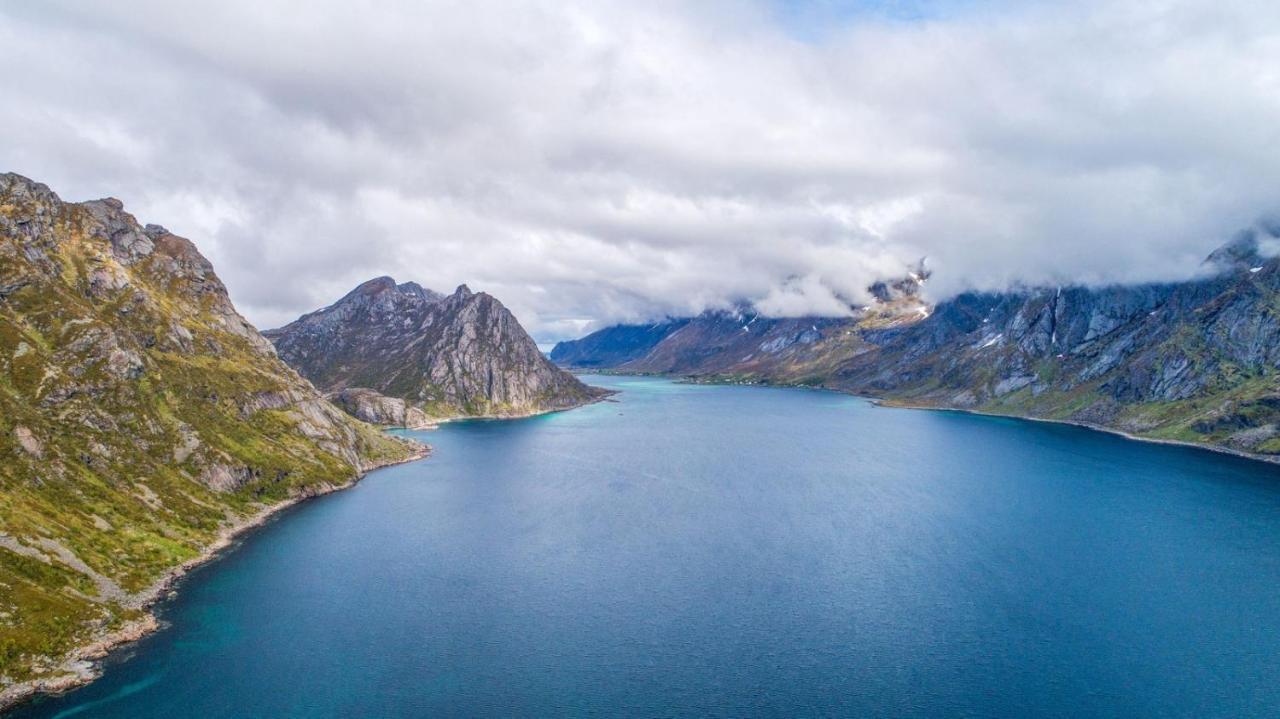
(743, 344)
(367, 405)
(141, 420)
(428, 355)
(1193, 361)
(615, 346)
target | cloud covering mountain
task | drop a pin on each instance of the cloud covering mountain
(593, 162)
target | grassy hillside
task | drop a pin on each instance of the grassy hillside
(140, 415)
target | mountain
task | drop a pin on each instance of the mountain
(614, 346)
(438, 356)
(142, 419)
(745, 345)
(1192, 361)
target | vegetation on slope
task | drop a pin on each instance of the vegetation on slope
(140, 416)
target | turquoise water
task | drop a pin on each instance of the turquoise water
(694, 550)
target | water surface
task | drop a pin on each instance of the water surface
(696, 550)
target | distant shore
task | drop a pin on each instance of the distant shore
(889, 403)
(898, 404)
(437, 421)
(83, 664)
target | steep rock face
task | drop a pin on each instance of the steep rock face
(461, 354)
(139, 415)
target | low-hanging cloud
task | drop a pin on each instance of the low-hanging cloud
(590, 162)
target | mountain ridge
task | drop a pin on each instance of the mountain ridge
(1193, 361)
(402, 355)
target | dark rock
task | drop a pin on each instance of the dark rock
(461, 354)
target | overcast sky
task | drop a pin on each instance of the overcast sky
(590, 162)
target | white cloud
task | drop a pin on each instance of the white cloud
(617, 161)
(803, 297)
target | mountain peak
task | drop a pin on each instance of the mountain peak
(458, 357)
(1249, 248)
(13, 183)
(375, 285)
(908, 286)
(413, 289)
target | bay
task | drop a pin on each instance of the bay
(691, 550)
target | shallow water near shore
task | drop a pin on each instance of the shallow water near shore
(692, 550)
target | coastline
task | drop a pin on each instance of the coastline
(82, 665)
(437, 421)
(897, 404)
(894, 404)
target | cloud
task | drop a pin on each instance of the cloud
(590, 162)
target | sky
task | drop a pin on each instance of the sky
(598, 162)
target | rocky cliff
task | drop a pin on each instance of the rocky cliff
(141, 417)
(1192, 361)
(462, 354)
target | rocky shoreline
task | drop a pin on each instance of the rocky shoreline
(82, 665)
(435, 422)
(602, 397)
(393, 412)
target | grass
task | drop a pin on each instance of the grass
(108, 486)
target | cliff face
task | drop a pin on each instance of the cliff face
(1192, 361)
(140, 415)
(458, 355)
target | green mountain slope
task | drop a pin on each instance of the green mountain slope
(141, 417)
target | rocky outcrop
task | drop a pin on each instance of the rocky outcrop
(367, 405)
(462, 354)
(140, 415)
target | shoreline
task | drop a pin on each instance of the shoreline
(436, 422)
(82, 665)
(1253, 456)
(897, 404)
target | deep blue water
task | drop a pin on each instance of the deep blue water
(695, 550)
